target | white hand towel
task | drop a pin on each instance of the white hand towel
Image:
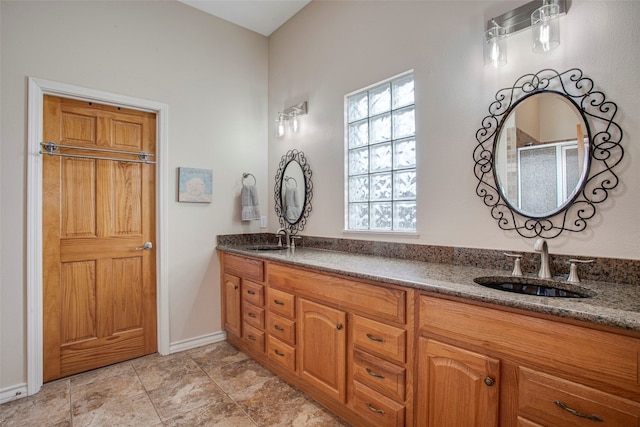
(249, 201)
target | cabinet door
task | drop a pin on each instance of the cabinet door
(456, 387)
(232, 315)
(322, 348)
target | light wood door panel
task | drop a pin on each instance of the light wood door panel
(457, 387)
(99, 290)
(322, 347)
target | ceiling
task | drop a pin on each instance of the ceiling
(261, 16)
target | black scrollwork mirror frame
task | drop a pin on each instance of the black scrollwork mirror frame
(605, 150)
(298, 225)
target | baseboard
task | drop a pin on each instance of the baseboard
(213, 338)
(12, 393)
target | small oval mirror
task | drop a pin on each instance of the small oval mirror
(541, 154)
(293, 191)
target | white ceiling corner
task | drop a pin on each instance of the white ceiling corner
(261, 16)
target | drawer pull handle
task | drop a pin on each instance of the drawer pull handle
(278, 353)
(373, 374)
(252, 338)
(278, 328)
(339, 326)
(275, 301)
(253, 315)
(489, 381)
(251, 292)
(373, 409)
(577, 413)
(376, 339)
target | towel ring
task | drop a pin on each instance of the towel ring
(246, 175)
(289, 178)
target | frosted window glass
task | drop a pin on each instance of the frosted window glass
(358, 134)
(402, 91)
(381, 157)
(380, 100)
(357, 107)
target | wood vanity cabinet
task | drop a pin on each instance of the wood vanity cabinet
(510, 368)
(243, 313)
(384, 355)
(347, 343)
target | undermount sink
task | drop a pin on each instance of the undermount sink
(266, 248)
(534, 286)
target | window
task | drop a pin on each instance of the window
(381, 157)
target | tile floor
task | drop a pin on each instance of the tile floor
(214, 385)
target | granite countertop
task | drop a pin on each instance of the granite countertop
(611, 304)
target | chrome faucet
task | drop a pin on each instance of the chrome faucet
(545, 269)
(287, 237)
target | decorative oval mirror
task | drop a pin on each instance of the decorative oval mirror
(293, 191)
(541, 154)
(546, 153)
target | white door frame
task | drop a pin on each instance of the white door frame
(37, 89)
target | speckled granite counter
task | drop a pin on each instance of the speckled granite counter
(616, 305)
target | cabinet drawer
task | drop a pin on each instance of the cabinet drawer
(380, 301)
(377, 409)
(380, 339)
(246, 268)
(282, 303)
(283, 329)
(379, 375)
(254, 336)
(550, 400)
(253, 293)
(253, 315)
(281, 353)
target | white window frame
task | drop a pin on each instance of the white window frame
(369, 230)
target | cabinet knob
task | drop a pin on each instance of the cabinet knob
(339, 326)
(235, 287)
(489, 381)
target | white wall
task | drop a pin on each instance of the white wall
(213, 76)
(332, 48)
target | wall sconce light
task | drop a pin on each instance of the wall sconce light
(540, 15)
(291, 115)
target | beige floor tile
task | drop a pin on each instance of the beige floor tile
(161, 372)
(217, 354)
(102, 374)
(238, 376)
(91, 396)
(185, 394)
(215, 385)
(49, 407)
(136, 411)
(224, 414)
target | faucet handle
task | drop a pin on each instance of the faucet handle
(517, 271)
(573, 269)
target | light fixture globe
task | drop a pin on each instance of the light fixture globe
(545, 28)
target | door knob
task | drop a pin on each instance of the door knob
(146, 247)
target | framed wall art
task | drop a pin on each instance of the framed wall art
(195, 185)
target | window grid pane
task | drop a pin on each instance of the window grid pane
(382, 157)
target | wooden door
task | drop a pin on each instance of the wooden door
(99, 291)
(456, 387)
(322, 348)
